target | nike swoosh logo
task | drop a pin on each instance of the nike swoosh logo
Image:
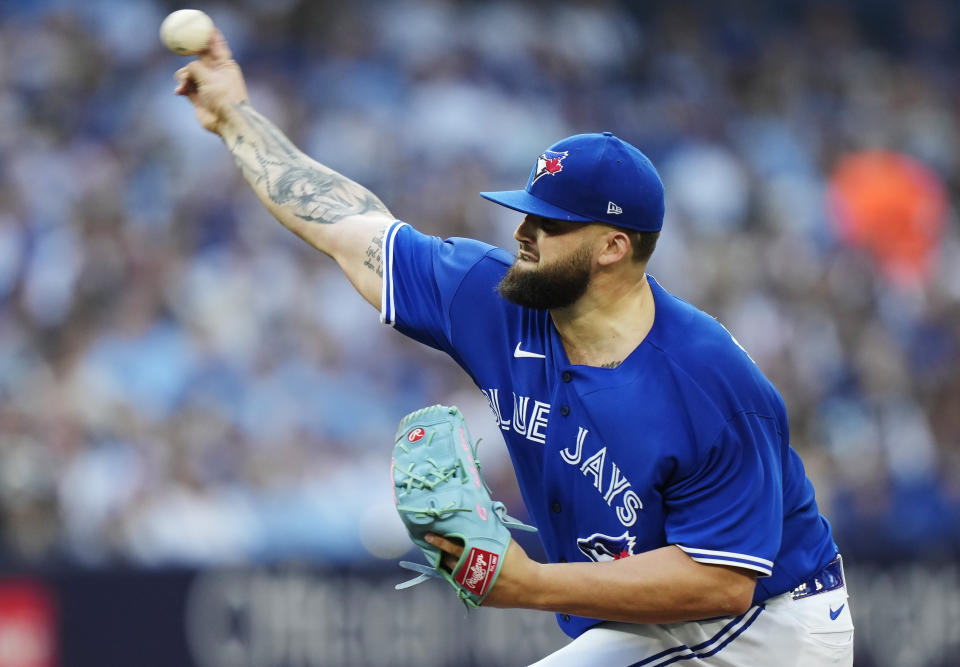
(523, 354)
(834, 615)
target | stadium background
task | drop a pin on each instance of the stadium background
(196, 411)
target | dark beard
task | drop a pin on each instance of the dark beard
(556, 286)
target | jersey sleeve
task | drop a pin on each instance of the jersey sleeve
(729, 509)
(424, 276)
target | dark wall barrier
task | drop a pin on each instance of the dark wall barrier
(299, 619)
(289, 618)
(906, 616)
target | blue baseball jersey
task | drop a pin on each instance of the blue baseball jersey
(685, 443)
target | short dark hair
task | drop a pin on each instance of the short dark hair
(643, 244)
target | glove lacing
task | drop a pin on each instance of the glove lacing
(437, 476)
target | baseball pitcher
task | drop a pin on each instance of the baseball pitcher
(652, 454)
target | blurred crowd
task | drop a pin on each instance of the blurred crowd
(183, 381)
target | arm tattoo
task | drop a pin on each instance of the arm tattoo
(311, 191)
(374, 255)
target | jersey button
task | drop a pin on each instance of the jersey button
(564, 410)
(562, 560)
(566, 617)
(566, 376)
(555, 507)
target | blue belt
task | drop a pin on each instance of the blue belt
(829, 578)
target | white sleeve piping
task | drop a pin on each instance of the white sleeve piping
(387, 303)
(761, 565)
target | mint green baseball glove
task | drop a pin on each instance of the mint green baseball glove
(438, 489)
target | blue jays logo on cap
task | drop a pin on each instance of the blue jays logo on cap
(549, 162)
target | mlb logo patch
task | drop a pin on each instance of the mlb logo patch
(549, 162)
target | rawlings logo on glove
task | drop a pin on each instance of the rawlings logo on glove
(478, 570)
(438, 489)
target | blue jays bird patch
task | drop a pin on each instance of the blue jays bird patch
(602, 548)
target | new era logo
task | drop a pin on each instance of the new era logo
(613, 209)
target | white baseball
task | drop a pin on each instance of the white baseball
(186, 31)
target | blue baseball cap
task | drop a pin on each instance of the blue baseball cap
(591, 178)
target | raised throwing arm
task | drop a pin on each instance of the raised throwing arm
(326, 209)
